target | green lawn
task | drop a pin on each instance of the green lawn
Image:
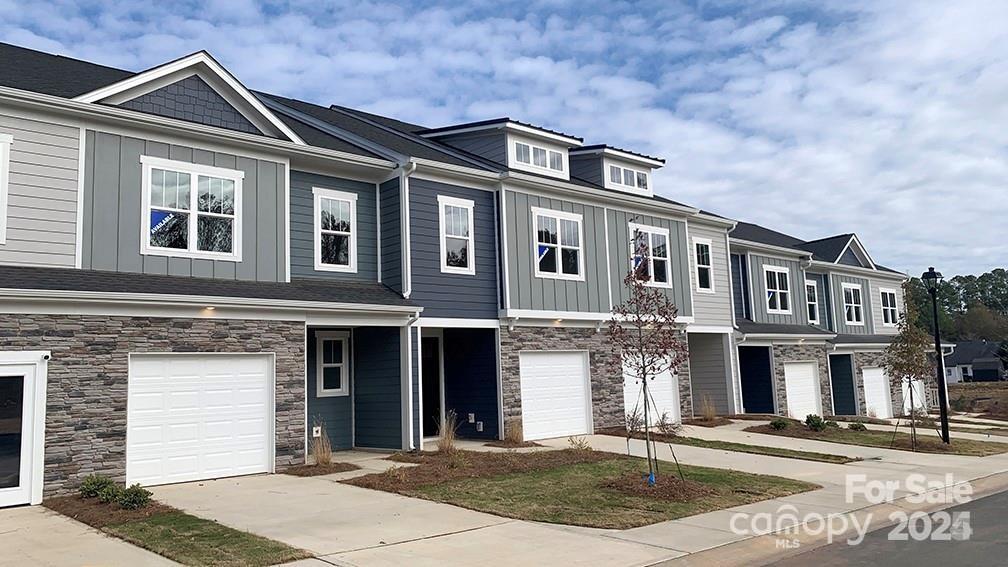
(926, 442)
(745, 448)
(573, 494)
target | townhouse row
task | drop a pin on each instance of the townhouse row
(198, 279)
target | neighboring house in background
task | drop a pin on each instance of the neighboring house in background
(974, 361)
(812, 320)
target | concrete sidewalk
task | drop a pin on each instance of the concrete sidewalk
(33, 535)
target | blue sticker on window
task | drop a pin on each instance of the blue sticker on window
(543, 250)
(160, 219)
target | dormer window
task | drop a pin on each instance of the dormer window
(626, 177)
(538, 157)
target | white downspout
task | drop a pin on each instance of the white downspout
(407, 279)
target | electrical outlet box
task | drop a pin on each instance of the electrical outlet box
(472, 418)
(316, 431)
(479, 426)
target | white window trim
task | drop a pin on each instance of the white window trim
(558, 215)
(621, 184)
(789, 291)
(193, 169)
(815, 285)
(320, 391)
(895, 307)
(844, 286)
(634, 227)
(710, 266)
(6, 141)
(319, 193)
(469, 206)
(532, 164)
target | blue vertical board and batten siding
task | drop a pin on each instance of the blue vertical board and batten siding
(391, 234)
(680, 274)
(547, 294)
(447, 294)
(113, 216)
(796, 278)
(332, 412)
(377, 388)
(302, 226)
(842, 327)
(822, 292)
(740, 287)
(470, 380)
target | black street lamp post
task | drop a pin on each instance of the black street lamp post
(931, 280)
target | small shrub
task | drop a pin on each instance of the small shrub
(134, 497)
(446, 433)
(856, 426)
(110, 494)
(814, 422)
(831, 423)
(321, 447)
(398, 473)
(960, 404)
(578, 443)
(707, 410)
(778, 424)
(513, 432)
(634, 421)
(93, 484)
(666, 426)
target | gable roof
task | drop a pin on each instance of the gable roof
(37, 71)
(762, 235)
(827, 249)
(966, 352)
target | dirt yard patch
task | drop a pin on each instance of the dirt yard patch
(990, 399)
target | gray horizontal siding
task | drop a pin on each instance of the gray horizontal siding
(681, 276)
(391, 235)
(445, 294)
(41, 192)
(758, 282)
(711, 308)
(491, 145)
(302, 226)
(530, 292)
(113, 215)
(587, 167)
(836, 281)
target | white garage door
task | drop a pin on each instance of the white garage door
(663, 389)
(801, 382)
(878, 399)
(555, 396)
(919, 399)
(193, 417)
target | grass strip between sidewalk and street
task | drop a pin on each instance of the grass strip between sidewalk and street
(926, 443)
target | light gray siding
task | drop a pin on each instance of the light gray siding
(876, 304)
(758, 281)
(391, 235)
(709, 375)
(619, 257)
(836, 281)
(42, 192)
(491, 145)
(302, 226)
(447, 294)
(531, 292)
(113, 215)
(711, 308)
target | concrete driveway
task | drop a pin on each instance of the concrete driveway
(33, 535)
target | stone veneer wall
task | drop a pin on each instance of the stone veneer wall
(88, 374)
(783, 353)
(685, 390)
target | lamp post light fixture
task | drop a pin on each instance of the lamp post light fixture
(931, 280)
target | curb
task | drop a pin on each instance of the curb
(764, 549)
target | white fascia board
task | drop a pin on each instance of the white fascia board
(710, 329)
(706, 219)
(512, 126)
(620, 155)
(134, 86)
(131, 119)
(788, 253)
(198, 300)
(855, 241)
(623, 201)
(826, 267)
(788, 336)
(543, 315)
(458, 323)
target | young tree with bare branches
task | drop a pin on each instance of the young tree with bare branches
(906, 359)
(644, 330)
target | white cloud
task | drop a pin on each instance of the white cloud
(881, 118)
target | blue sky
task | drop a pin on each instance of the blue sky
(887, 119)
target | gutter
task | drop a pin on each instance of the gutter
(759, 246)
(405, 171)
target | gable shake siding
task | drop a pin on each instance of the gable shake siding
(711, 308)
(447, 294)
(680, 275)
(302, 226)
(41, 192)
(113, 211)
(390, 225)
(530, 292)
(192, 100)
(796, 278)
(842, 327)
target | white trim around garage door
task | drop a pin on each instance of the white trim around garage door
(23, 361)
(586, 356)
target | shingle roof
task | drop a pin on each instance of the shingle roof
(40, 72)
(320, 139)
(862, 339)
(385, 120)
(321, 291)
(827, 249)
(756, 233)
(966, 352)
(750, 327)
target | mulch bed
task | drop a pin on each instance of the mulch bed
(96, 514)
(925, 443)
(510, 445)
(319, 470)
(667, 488)
(438, 468)
(716, 422)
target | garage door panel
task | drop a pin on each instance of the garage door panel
(554, 393)
(801, 382)
(197, 417)
(878, 399)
